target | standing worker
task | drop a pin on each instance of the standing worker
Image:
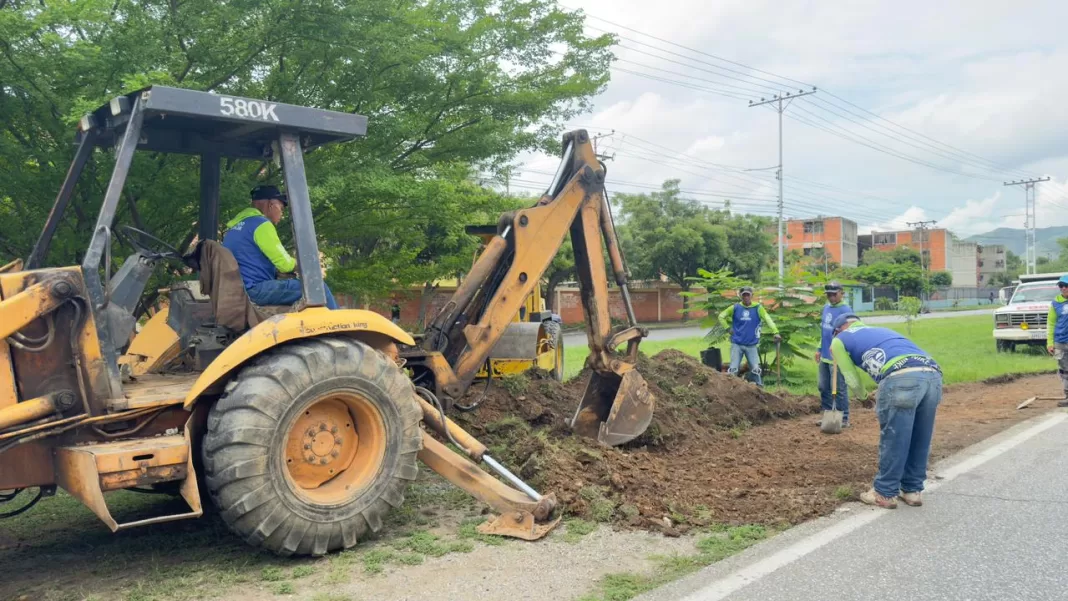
(1057, 335)
(834, 309)
(910, 389)
(745, 324)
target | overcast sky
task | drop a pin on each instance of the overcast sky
(980, 86)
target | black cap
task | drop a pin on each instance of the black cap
(267, 192)
(746, 290)
(832, 287)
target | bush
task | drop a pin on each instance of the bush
(909, 307)
(884, 304)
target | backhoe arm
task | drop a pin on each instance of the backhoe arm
(617, 407)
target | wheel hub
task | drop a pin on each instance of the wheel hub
(321, 444)
(334, 447)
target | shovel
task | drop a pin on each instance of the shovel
(832, 420)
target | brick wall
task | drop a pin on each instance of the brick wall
(650, 305)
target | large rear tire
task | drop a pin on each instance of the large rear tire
(311, 446)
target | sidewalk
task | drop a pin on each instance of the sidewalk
(994, 525)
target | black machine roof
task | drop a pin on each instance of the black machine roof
(191, 122)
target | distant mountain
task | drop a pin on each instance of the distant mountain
(1013, 239)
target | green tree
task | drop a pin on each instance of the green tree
(898, 255)
(1013, 265)
(447, 86)
(663, 233)
(909, 307)
(940, 278)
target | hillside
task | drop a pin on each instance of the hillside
(1013, 239)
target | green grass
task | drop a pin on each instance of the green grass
(283, 588)
(963, 346)
(577, 529)
(710, 549)
(843, 493)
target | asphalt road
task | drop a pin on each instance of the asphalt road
(994, 528)
(579, 338)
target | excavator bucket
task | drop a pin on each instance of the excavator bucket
(614, 409)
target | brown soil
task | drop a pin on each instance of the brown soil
(719, 449)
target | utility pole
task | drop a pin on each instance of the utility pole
(777, 103)
(593, 139)
(922, 227)
(1029, 220)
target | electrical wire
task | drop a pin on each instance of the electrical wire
(783, 84)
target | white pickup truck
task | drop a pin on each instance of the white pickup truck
(1023, 320)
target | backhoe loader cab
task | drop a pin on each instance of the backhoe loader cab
(302, 428)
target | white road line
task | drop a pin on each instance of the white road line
(741, 578)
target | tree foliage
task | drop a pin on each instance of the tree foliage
(909, 308)
(664, 233)
(448, 87)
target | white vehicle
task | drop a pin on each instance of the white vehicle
(1023, 320)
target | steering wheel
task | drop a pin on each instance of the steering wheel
(154, 249)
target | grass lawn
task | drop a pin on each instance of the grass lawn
(963, 346)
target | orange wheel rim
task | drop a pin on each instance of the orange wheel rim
(335, 448)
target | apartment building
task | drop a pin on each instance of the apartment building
(837, 236)
(991, 259)
(941, 251)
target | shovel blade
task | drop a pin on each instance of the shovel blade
(832, 422)
(614, 409)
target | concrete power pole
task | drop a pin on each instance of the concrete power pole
(922, 226)
(777, 102)
(1031, 260)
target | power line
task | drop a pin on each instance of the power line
(780, 86)
(858, 139)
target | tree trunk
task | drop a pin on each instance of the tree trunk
(424, 302)
(685, 303)
(555, 279)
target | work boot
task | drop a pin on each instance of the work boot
(1063, 402)
(912, 499)
(873, 498)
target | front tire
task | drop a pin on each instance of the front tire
(311, 446)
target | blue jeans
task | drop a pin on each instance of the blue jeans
(751, 357)
(283, 292)
(906, 405)
(841, 400)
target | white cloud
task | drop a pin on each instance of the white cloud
(981, 75)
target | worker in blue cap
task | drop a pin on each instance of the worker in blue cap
(744, 321)
(909, 391)
(835, 307)
(1057, 335)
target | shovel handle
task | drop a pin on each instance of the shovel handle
(834, 380)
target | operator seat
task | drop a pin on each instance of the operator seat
(221, 281)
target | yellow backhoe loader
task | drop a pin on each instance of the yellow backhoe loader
(533, 340)
(303, 425)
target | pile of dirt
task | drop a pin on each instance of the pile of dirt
(666, 472)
